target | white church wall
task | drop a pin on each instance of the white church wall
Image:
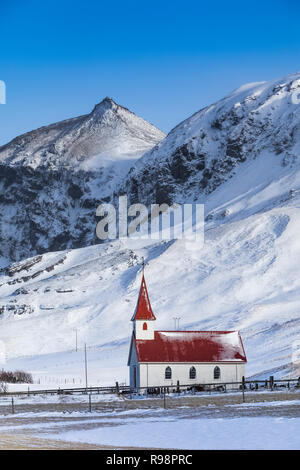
(134, 364)
(153, 374)
(140, 333)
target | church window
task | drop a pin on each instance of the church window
(217, 372)
(192, 372)
(168, 373)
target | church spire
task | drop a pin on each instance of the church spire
(143, 310)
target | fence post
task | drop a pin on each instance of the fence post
(178, 387)
(90, 402)
(12, 405)
(117, 388)
(243, 388)
(271, 382)
(165, 404)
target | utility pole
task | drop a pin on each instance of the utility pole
(176, 321)
(85, 364)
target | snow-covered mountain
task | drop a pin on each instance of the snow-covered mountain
(240, 157)
(258, 122)
(110, 132)
(53, 178)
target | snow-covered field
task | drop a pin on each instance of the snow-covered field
(266, 421)
(214, 434)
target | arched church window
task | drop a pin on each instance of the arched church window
(192, 372)
(168, 373)
(145, 327)
(217, 372)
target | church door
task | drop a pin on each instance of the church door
(134, 376)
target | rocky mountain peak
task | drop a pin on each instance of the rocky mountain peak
(106, 104)
(57, 175)
(109, 129)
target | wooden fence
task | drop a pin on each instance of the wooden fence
(270, 384)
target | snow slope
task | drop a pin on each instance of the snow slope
(246, 277)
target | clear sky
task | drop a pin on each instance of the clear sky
(163, 59)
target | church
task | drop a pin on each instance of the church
(162, 358)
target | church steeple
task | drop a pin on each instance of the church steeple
(143, 310)
(143, 316)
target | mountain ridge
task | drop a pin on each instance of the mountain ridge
(203, 151)
(52, 179)
(51, 144)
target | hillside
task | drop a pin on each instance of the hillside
(246, 277)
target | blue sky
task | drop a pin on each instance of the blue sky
(162, 59)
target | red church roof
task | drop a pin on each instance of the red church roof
(191, 346)
(143, 310)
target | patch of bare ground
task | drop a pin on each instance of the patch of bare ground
(23, 442)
